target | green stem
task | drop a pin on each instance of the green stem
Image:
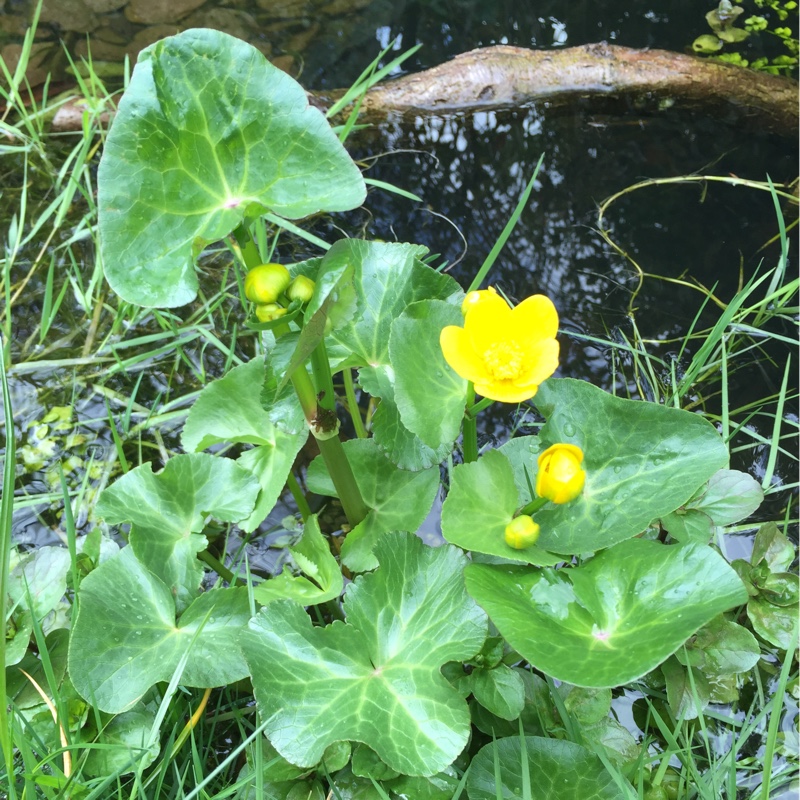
(344, 481)
(352, 404)
(534, 505)
(250, 254)
(299, 497)
(469, 444)
(323, 380)
(476, 409)
(220, 568)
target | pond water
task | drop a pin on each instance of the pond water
(469, 171)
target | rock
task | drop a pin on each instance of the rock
(301, 40)
(104, 6)
(155, 12)
(14, 24)
(344, 6)
(69, 15)
(286, 9)
(285, 63)
(99, 50)
(236, 23)
(38, 61)
(150, 35)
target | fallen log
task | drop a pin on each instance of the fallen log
(505, 77)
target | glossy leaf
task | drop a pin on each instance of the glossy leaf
(322, 579)
(772, 547)
(168, 509)
(500, 690)
(557, 770)
(725, 648)
(481, 502)
(229, 410)
(401, 446)
(124, 744)
(774, 624)
(208, 132)
(125, 638)
(399, 500)
(688, 691)
(421, 373)
(388, 278)
(642, 461)
(376, 678)
(612, 619)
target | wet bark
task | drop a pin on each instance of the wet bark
(645, 80)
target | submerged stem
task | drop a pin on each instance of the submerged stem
(470, 429)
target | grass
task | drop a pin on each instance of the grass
(134, 373)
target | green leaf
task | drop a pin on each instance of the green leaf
(523, 453)
(442, 786)
(367, 764)
(481, 502)
(399, 500)
(421, 373)
(124, 744)
(125, 638)
(726, 647)
(229, 410)
(39, 580)
(772, 547)
(586, 705)
(536, 716)
(168, 510)
(207, 133)
(313, 556)
(729, 496)
(376, 678)
(688, 694)
(388, 277)
(557, 770)
(401, 446)
(642, 462)
(500, 690)
(614, 618)
(774, 624)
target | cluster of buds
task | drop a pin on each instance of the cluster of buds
(560, 480)
(271, 288)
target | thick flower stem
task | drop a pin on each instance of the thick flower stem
(534, 505)
(469, 431)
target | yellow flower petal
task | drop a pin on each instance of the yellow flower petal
(505, 391)
(460, 355)
(542, 361)
(488, 322)
(534, 318)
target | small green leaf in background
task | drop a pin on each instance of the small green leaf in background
(612, 619)
(388, 278)
(441, 786)
(401, 446)
(729, 496)
(399, 500)
(367, 764)
(124, 744)
(207, 133)
(642, 461)
(311, 553)
(500, 690)
(773, 547)
(688, 694)
(724, 648)
(558, 770)
(774, 624)
(422, 374)
(481, 502)
(377, 678)
(125, 637)
(229, 410)
(168, 510)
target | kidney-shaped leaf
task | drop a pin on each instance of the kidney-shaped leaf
(557, 770)
(125, 637)
(376, 678)
(642, 461)
(206, 132)
(167, 511)
(612, 619)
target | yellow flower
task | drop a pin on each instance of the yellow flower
(266, 283)
(506, 352)
(560, 478)
(522, 532)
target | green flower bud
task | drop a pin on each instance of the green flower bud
(522, 532)
(560, 478)
(266, 283)
(301, 288)
(268, 312)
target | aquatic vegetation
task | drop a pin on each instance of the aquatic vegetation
(582, 553)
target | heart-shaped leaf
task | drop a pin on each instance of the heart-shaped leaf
(229, 410)
(399, 500)
(125, 638)
(208, 132)
(376, 678)
(557, 770)
(642, 461)
(167, 511)
(613, 619)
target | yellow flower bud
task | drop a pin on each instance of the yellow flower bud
(301, 288)
(560, 478)
(269, 312)
(522, 532)
(266, 283)
(473, 298)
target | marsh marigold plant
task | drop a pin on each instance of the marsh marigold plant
(506, 352)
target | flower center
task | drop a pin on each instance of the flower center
(504, 360)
